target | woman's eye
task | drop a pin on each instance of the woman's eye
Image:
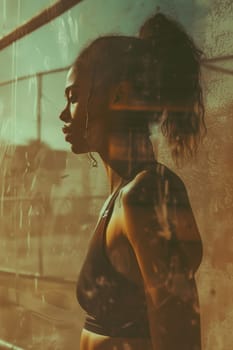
(73, 98)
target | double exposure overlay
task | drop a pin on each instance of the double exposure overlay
(51, 197)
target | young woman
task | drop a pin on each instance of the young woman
(137, 282)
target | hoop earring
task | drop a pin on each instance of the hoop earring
(91, 158)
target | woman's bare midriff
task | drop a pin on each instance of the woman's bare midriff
(93, 341)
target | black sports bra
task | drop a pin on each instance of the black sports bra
(115, 306)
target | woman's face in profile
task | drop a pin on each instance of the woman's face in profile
(84, 114)
(91, 125)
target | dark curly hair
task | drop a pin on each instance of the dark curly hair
(163, 67)
(180, 88)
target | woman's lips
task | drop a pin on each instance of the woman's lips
(71, 134)
(66, 128)
(67, 131)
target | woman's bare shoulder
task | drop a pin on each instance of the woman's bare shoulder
(150, 186)
(138, 191)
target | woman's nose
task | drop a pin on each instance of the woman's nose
(65, 115)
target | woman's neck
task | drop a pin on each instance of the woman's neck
(124, 163)
(115, 180)
(119, 173)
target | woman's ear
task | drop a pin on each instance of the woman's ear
(121, 96)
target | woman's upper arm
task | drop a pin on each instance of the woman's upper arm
(146, 237)
(156, 210)
(153, 206)
(146, 226)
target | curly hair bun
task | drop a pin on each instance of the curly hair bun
(178, 70)
(160, 28)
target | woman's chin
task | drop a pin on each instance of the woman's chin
(78, 149)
